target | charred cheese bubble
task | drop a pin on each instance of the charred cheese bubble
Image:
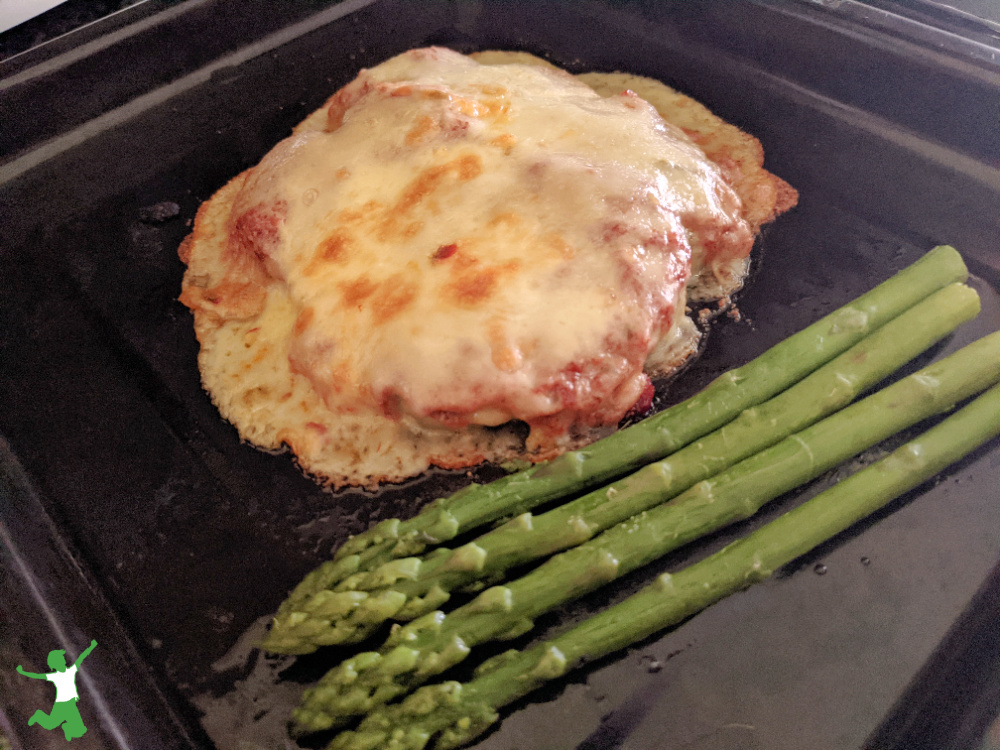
(454, 246)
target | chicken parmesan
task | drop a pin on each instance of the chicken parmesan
(456, 247)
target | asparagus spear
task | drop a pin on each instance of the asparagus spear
(433, 643)
(650, 440)
(452, 714)
(407, 588)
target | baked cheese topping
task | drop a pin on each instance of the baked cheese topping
(471, 244)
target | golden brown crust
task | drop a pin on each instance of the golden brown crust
(211, 287)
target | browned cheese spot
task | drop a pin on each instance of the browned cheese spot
(394, 222)
(505, 218)
(430, 93)
(424, 127)
(557, 242)
(357, 216)
(412, 229)
(494, 105)
(333, 249)
(505, 142)
(494, 89)
(470, 166)
(473, 282)
(504, 354)
(395, 295)
(353, 293)
(262, 353)
(303, 321)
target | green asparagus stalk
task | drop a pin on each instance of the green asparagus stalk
(650, 440)
(433, 643)
(451, 714)
(408, 588)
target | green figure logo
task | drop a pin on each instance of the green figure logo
(64, 711)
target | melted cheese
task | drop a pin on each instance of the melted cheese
(447, 246)
(469, 244)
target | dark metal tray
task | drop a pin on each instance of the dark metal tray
(131, 513)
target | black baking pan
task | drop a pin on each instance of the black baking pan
(132, 514)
